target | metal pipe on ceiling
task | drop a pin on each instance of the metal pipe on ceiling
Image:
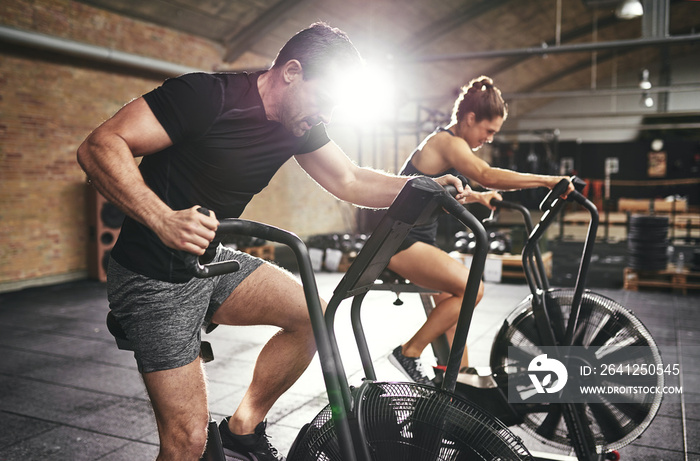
(672, 89)
(571, 48)
(595, 115)
(690, 87)
(609, 127)
(91, 52)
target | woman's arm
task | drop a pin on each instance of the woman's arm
(456, 152)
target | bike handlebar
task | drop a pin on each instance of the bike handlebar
(193, 263)
(514, 206)
(450, 189)
(235, 226)
(210, 269)
(552, 197)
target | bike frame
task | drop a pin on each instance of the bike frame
(552, 331)
(418, 203)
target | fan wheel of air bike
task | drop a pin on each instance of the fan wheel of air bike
(602, 322)
(413, 422)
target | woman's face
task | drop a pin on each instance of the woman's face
(479, 133)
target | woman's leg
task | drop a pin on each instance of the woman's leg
(430, 267)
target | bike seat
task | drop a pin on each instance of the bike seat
(389, 276)
(391, 281)
(118, 332)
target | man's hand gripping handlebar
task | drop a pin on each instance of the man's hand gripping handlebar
(200, 270)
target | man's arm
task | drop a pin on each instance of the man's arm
(107, 157)
(335, 172)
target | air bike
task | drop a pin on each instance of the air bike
(387, 421)
(607, 338)
(408, 421)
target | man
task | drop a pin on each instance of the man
(214, 141)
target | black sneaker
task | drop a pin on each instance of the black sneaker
(411, 367)
(251, 447)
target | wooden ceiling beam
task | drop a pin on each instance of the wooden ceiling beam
(444, 26)
(574, 34)
(237, 43)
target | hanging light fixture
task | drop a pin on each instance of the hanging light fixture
(644, 82)
(629, 9)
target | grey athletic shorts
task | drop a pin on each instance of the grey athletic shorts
(162, 320)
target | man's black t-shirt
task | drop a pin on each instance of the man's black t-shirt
(224, 151)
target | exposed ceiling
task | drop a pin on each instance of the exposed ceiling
(438, 46)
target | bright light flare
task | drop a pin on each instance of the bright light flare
(366, 96)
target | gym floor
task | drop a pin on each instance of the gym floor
(69, 394)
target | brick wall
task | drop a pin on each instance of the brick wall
(49, 103)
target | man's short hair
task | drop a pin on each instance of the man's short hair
(321, 49)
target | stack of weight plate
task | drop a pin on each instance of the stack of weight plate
(647, 242)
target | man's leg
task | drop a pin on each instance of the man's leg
(179, 399)
(269, 296)
(162, 320)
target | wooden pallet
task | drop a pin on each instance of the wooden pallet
(266, 252)
(670, 278)
(513, 264)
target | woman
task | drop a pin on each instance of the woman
(478, 114)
